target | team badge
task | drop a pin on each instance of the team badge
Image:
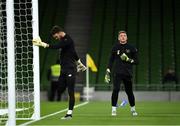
(127, 50)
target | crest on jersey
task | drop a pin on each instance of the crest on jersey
(127, 50)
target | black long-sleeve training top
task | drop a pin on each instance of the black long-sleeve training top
(115, 62)
(68, 55)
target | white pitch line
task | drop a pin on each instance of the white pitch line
(55, 113)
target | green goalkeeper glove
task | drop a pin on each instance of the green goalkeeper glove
(107, 78)
(80, 66)
(124, 57)
(38, 42)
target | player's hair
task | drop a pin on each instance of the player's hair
(56, 29)
(122, 32)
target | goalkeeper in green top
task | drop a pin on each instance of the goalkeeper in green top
(69, 62)
(122, 58)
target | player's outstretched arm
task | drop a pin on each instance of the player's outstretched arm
(37, 42)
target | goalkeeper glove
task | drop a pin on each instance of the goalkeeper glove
(124, 57)
(107, 78)
(80, 66)
(38, 42)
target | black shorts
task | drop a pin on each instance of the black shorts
(67, 80)
(119, 78)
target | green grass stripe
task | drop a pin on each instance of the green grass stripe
(99, 113)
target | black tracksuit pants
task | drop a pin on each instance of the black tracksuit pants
(67, 80)
(127, 80)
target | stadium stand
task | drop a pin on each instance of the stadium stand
(149, 27)
(152, 26)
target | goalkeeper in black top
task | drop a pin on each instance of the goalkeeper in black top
(121, 60)
(69, 61)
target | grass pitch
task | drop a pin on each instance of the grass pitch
(99, 113)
